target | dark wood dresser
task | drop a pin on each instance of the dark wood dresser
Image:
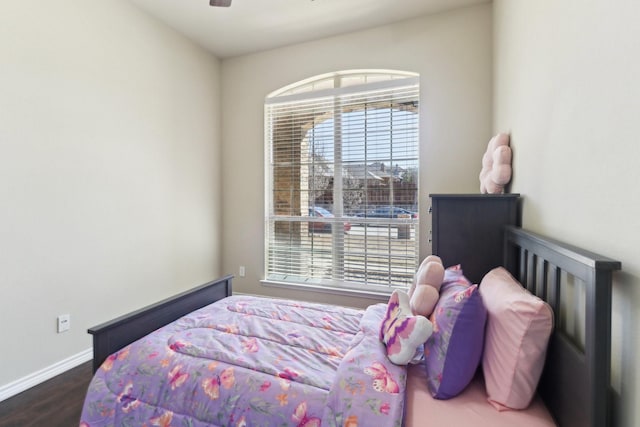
(467, 229)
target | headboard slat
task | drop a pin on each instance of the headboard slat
(553, 297)
(531, 272)
(543, 280)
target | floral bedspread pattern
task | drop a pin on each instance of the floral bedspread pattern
(250, 361)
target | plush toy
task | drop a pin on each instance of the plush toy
(496, 165)
(425, 290)
(402, 332)
(405, 325)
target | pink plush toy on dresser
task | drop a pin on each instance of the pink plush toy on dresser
(496, 165)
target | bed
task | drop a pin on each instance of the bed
(333, 369)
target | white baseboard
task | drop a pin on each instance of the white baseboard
(25, 383)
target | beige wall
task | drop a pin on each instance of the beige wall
(109, 171)
(566, 86)
(452, 52)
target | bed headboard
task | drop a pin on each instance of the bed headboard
(575, 383)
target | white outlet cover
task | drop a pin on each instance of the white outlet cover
(64, 322)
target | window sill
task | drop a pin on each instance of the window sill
(378, 296)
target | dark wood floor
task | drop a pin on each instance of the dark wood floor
(54, 403)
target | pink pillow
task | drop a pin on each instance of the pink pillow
(518, 328)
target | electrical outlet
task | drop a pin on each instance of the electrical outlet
(242, 271)
(64, 322)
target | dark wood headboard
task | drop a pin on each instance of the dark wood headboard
(575, 383)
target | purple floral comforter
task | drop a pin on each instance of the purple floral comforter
(249, 361)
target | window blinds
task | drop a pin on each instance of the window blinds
(342, 185)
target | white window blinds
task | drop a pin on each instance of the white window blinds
(342, 182)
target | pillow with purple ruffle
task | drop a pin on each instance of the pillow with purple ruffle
(454, 350)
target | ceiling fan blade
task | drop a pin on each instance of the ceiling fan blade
(223, 3)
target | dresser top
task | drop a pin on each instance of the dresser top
(475, 196)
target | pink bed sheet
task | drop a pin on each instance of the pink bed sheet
(470, 408)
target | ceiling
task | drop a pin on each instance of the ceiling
(254, 25)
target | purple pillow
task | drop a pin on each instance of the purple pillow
(454, 350)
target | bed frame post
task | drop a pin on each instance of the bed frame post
(598, 343)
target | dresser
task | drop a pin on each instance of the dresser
(467, 229)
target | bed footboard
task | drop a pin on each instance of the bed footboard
(115, 334)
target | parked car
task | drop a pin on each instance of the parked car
(388, 212)
(320, 212)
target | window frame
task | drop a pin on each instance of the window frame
(318, 88)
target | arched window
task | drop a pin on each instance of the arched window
(342, 181)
